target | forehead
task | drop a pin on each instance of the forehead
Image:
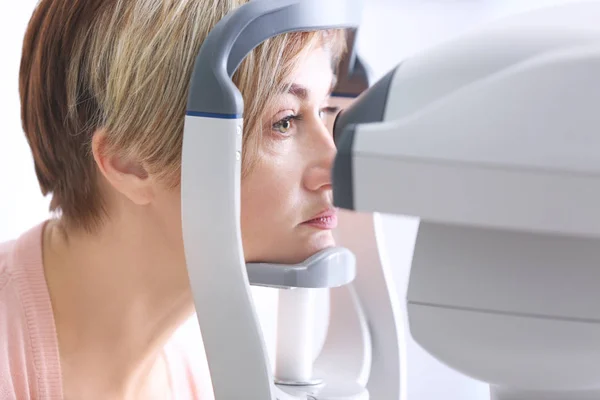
(314, 72)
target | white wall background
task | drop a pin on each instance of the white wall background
(410, 25)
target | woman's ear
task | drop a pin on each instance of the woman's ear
(125, 174)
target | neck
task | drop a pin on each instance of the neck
(118, 295)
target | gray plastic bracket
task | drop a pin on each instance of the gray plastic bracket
(368, 107)
(343, 171)
(212, 92)
(329, 268)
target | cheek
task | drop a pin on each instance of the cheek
(267, 194)
(271, 204)
(260, 214)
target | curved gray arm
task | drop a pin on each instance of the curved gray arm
(212, 93)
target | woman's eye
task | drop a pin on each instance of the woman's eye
(284, 126)
(328, 111)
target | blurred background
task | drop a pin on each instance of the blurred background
(411, 26)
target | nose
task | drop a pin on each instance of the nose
(321, 155)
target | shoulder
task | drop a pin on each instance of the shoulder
(187, 362)
(29, 364)
(21, 263)
(14, 375)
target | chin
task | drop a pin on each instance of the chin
(294, 250)
(306, 248)
(318, 242)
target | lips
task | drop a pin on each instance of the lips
(324, 220)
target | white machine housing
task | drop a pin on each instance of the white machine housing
(493, 141)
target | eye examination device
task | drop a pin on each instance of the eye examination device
(491, 140)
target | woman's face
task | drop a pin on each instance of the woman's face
(286, 199)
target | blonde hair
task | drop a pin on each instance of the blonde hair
(125, 66)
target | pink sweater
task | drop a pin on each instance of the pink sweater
(29, 358)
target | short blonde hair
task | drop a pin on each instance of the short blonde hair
(125, 66)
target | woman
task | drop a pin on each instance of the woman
(92, 299)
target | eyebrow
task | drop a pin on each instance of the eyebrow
(299, 91)
(303, 93)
